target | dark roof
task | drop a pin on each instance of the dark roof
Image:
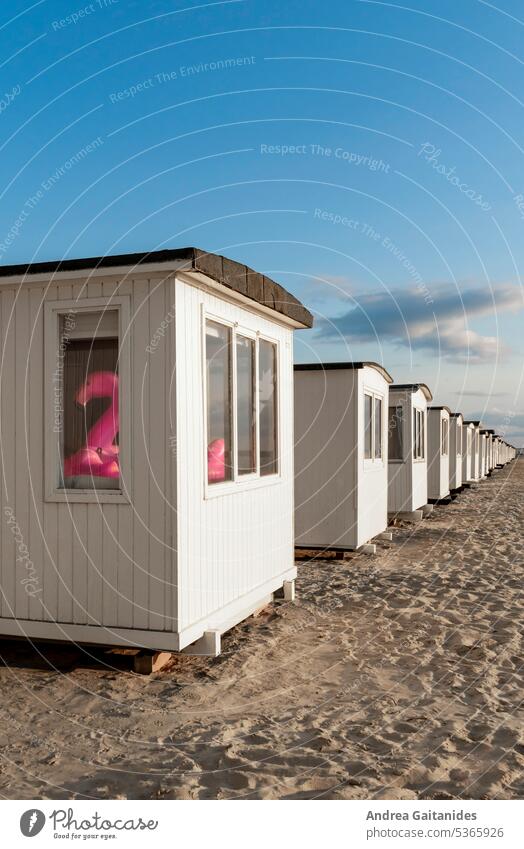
(456, 415)
(477, 424)
(341, 366)
(413, 387)
(442, 407)
(226, 271)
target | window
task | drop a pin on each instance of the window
(395, 431)
(469, 441)
(246, 413)
(267, 394)
(458, 431)
(219, 409)
(377, 446)
(368, 424)
(86, 401)
(418, 434)
(445, 436)
(372, 427)
(242, 407)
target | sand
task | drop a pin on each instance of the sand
(395, 676)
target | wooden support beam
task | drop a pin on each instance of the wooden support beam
(146, 662)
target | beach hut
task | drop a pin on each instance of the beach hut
(456, 422)
(482, 454)
(496, 452)
(489, 442)
(146, 416)
(475, 451)
(438, 453)
(407, 456)
(468, 440)
(341, 469)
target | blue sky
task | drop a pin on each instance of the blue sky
(368, 155)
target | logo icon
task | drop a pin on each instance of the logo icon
(32, 822)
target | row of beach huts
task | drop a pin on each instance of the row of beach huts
(368, 451)
(162, 456)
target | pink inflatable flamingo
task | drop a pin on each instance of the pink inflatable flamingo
(216, 462)
(100, 456)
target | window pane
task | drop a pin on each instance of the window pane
(378, 428)
(90, 419)
(415, 433)
(395, 448)
(218, 370)
(368, 412)
(245, 405)
(444, 436)
(422, 434)
(267, 398)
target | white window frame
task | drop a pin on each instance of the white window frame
(373, 462)
(396, 405)
(53, 310)
(444, 436)
(422, 412)
(254, 480)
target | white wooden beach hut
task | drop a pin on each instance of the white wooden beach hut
(146, 414)
(456, 422)
(340, 454)
(407, 456)
(489, 451)
(468, 441)
(438, 453)
(496, 452)
(475, 452)
(483, 454)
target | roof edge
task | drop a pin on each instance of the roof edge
(414, 387)
(352, 365)
(229, 273)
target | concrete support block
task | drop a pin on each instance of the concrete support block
(368, 548)
(410, 516)
(427, 509)
(288, 588)
(385, 535)
(209, 645)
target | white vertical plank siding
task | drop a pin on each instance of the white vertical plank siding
(372, 479)
(455, 453)
(408, 481)
(97, 563)
(400, 473)
(326, 457)
(7, 439)
(237, 540)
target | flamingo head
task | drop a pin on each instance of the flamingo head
(99, 384)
